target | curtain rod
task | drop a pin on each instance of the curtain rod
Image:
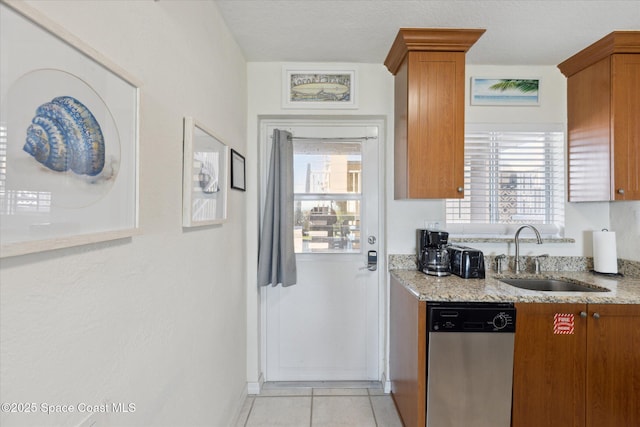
(355, 138)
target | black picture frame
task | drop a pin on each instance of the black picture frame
(238, 173)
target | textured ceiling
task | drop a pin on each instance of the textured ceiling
(519, 32)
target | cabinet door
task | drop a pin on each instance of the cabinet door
(407, 354)
(625, 110)
(589, 118)
(613, 365)
(435, 125)
(549, 368)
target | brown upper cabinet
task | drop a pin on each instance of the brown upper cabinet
(428, 65)
(603, 106)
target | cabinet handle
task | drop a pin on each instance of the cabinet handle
(583, 314)
(460, 189)
(620, 190)
(596, 315)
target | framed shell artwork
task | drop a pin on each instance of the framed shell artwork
(68, 139)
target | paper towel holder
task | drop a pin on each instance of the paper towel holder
(606, 274)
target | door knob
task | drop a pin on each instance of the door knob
(372, 261)
(596, 315)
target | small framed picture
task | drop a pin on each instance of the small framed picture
(505, 92)
(204, 193)
(238, 174)
(318, 87)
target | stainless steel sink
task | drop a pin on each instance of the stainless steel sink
(555, 285)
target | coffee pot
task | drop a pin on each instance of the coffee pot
(433, 256)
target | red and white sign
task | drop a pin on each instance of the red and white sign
(563, 324)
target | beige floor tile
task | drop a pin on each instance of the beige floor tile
(338, 411)
(376, 391)
(340, 392)
(385, 411)
(280, 411)
(294, 391)
(244, 412)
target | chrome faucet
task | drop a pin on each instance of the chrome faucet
(516, 263)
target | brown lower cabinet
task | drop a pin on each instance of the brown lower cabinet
(408, 354)
(587, 378)
(590, 377)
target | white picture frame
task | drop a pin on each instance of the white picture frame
(319, 87)
(54, 201)
(205, 174)
(508, 92)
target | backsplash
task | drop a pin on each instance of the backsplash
(552, 263)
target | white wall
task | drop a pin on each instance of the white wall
(625, 221)
(158, 320)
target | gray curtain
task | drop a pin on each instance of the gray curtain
(276, 257)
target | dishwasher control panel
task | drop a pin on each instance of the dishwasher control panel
(472, 317)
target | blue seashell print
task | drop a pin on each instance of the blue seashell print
(64, 135)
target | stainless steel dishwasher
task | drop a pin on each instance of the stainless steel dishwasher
(470, 364)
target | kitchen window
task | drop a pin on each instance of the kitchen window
(512, 175)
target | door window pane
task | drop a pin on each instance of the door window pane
(327, 167)
(327, 226)
(327, 196)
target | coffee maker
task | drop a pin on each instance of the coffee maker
(433, 256)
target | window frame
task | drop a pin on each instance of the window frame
(551, 227)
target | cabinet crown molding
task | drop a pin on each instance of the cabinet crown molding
(429, 40)
(614, 42)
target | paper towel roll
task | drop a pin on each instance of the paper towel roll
(605, 257)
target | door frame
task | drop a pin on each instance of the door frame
(287, 121)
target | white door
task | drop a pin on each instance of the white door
(328, 326)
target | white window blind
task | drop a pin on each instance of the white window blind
(513, 175)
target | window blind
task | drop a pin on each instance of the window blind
(511, 176)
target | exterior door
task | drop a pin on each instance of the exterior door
(327, 326)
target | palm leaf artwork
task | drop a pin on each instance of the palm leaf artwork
(524, 86)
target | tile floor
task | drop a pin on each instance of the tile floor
(316, 404)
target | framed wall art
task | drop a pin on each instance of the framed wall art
(505, 92)
(204, 180)
(238, 173)
(318, 88)
(68, 139)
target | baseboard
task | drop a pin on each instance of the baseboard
(386, 384)
(255, 387)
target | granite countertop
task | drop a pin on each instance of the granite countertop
(622, 290)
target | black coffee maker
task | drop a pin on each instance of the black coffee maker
(433, 256)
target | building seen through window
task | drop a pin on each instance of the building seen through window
(327, 196)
